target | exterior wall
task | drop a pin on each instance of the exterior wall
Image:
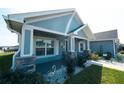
(52, 58)
(57, 24)
(104, 46)
(82, 34)
(74, 24)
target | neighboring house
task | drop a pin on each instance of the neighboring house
(46, 35)
(105, 42)
(10, 48)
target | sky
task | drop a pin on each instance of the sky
(100, 15)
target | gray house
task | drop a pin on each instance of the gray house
(45, 35)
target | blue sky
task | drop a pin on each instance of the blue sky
(101, 16)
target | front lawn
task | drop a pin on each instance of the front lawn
(97, 75)
(5, 61)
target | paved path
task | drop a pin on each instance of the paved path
(109, 64)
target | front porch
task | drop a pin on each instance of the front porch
(47, 47)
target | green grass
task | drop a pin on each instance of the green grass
(5, 61)
(97, 75)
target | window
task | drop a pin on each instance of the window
(81, 46)
(44, 47)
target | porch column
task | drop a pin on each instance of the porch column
(72, 44)
(27, 42)
(88, 45)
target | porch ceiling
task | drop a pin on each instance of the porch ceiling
(46, 34)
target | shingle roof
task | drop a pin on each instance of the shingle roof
(112, 34)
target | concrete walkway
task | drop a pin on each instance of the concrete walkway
(108, 64)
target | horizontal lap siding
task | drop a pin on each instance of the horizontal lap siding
(58, 24)
(106, 46)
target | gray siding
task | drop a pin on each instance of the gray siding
(104, 46)
(27, 42)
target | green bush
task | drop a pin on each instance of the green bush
(70, 61)
(70, 69)
(121, 52)
(119, 57)
(83, 57)
(21, 78)
(108, 55)
(5, 61)
(94, 56)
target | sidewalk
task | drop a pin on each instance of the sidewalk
(109, 64)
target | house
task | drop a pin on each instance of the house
(106, 41)
(10, 48)
(45, 35)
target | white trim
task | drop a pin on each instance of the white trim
(19, 17)
(81, 42)
(56, 42)
(24, 28)
(44, 30)
(69, 22)
(31, 42)
(82, 27)
(22, 40)
(103, 39)
(56, 47)
(72, 44)
(80, 37)
(88, 45)
(40, 18)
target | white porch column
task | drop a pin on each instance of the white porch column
(27, 41)
(88, 45)
(72, 44)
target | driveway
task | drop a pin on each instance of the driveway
(109, 64)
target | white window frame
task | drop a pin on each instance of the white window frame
(55, 50)
(81, 42)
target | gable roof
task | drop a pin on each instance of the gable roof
(112, 34)
(20, 17)
(52, 18)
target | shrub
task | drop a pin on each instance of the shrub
(70, 69)
(70, 62)
(119, 57)
(108, 56)
(21, 78)
(5, 61)
(83, 57)
(121, 52)
(94, 56)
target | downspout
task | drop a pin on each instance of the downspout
(14, 56)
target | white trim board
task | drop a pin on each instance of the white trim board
(40, 18)
(19, 17)
(44, 30)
